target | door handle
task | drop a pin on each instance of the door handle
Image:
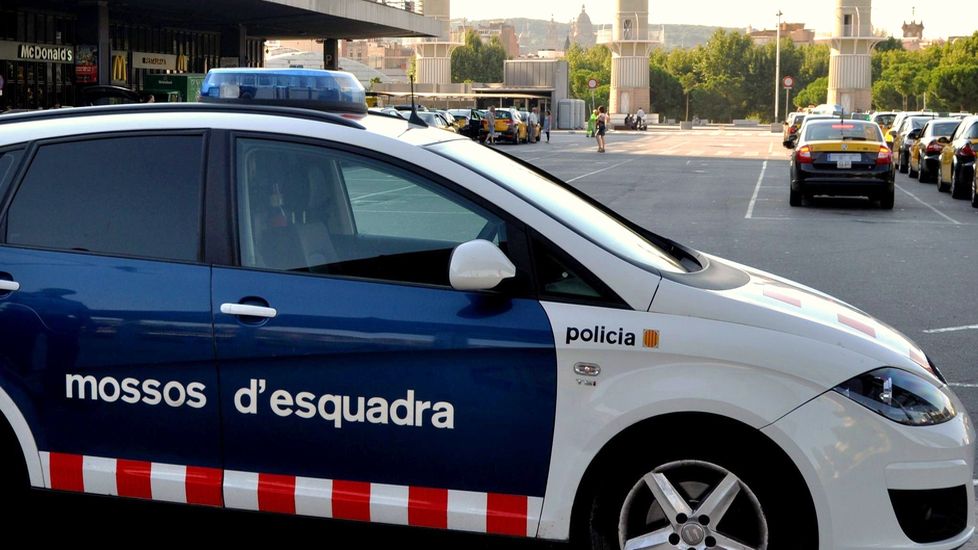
(9, 286)
(248, 310)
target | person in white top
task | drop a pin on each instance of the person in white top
(532, 122)
(639, 117)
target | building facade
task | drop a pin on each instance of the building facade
(50, 50)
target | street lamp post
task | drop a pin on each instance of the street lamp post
(777, 71)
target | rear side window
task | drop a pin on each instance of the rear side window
(132, 196)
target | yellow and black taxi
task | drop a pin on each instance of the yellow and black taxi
(884, 119)
(842, 157)
(957, 163)
(791, 126)
(925, 153)
(508, 125)
(904, 137)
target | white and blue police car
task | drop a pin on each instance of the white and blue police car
(242, 303)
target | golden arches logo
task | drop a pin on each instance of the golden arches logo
(119, 70)
(182, 63)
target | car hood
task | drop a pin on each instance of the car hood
(770, 302)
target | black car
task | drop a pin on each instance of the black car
(903, 141)
(842, 157)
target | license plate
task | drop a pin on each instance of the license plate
(844, 160)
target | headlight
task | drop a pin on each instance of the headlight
(900, 396)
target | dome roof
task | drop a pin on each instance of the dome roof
(583, 18)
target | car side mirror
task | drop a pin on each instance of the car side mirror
(479, 265)
(790, 144)
(944, 140)
(914, 134)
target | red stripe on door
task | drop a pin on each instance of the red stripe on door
(857, 324)
(132, 478)
(204, 486)
(276, 493)
(66, 472)
(351, 500)
(428, 507)
(506, 514)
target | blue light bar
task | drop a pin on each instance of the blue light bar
(306, 88)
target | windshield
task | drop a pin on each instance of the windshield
(563, 205)
(917, 123)
(885, 120)
(848, 130)
(943, 128)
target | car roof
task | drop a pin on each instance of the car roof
(34, 125)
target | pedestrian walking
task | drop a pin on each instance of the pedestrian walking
(491, 123)
(601, 125)
(546, 125)
(534, 120)
(592, 123)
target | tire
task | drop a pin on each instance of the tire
(974, 190)
(14, 482)
(943, 187)
(794, 197)
(887, 200)
(958, 191)
(742, 499)
(904, 165)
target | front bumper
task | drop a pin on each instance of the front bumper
(863, 471)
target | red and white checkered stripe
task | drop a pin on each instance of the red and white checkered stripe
(352, 500)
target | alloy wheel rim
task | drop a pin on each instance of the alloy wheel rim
(692, 505)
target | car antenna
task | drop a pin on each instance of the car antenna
(415, 119)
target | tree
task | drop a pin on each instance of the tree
(478, 62)
(889, 44)
(953, 87)
(585, 64)
(815, 93)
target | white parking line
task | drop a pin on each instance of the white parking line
(962, 385)
(942, 214)
(951, 329)
(599, 171)
(757, 189)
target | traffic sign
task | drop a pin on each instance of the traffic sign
(592, 84)
(789, 82)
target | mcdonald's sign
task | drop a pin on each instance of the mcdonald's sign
(120, 69)
(182, 63)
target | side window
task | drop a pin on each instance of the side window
(973, 131)
(312, 209)
(562, 278)
(133, 196)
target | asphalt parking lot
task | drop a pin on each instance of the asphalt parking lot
(721, 191)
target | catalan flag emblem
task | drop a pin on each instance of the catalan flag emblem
(650, 339)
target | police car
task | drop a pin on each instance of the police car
(349, 316)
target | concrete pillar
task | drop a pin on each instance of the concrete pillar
(850, 63)
(630, 48)
(331, 54)
(433, 58)
(93, 28)
(234, 43)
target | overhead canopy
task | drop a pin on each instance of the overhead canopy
(275, 19)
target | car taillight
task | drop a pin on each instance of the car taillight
(804, 155)
(967, 151)
(934, 147)
(792, 130)
(884, 157)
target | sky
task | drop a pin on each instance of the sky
(941, 19)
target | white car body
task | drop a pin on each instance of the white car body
(766, 354)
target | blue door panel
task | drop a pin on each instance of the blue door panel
(493, 360)
(117, 325)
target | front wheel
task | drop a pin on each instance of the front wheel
(794, 197)
(696, 502)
